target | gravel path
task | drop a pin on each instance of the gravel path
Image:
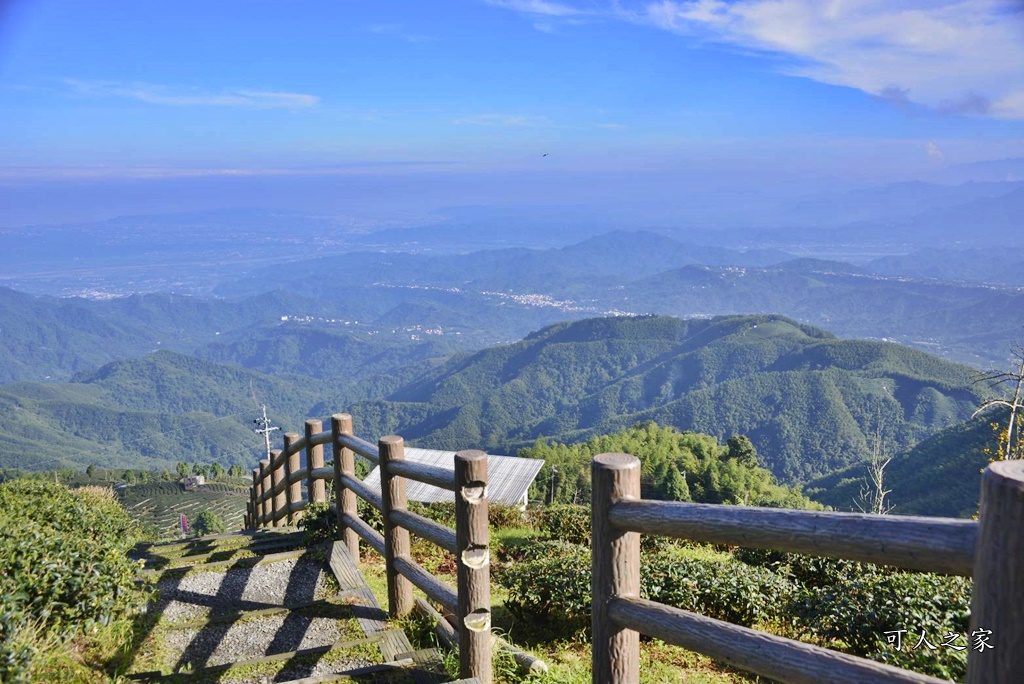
(194, 595)
(228, 643)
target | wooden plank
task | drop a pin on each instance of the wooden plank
(765, 654)
(942, 545)
(344, 567)
(240, 563)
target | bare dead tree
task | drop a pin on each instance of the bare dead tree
(871, 498)
(1010, 446)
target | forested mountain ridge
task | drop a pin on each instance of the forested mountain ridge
(808, 400)
(941, 475)
(150, 412)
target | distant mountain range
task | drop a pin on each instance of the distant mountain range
(810, 402)
(807, 399)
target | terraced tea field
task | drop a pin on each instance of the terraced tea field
(161, 504)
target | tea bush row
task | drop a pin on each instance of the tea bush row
(63, 564)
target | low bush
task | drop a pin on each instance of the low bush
(860, 610)
(565, 522)
(551, 584)
(63, 565)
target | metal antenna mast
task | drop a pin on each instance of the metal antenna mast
(265, 428)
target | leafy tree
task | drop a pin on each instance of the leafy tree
(743, 450)
(91, 471)
(184, 469)
(207, 522)
(216, 471)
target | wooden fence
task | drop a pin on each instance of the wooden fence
(991, 550)
(276, 500)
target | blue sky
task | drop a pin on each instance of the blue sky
(150, 89)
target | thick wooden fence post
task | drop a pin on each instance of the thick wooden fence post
(292, 492)
(315, 489)
(473, 562)
(997, 603)
(396, 538)
(276, 477)
(344, 498)
(615, 568)
(266, 508)
(254, 493)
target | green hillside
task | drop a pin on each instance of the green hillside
(939, 476)
(150, 413)
(806, 399)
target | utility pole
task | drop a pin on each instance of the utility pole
(265, 428)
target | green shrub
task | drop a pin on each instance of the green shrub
(715, 585)
(319, 524)
(63, 568)
(859, 610)
(551, 584)
(565, 522)
(207, 522)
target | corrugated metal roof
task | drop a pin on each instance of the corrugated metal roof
(508, 477)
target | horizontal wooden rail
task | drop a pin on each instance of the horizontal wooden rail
(321, 474)
(361, 447)
(321, 437)
(434, 588)
(432, 475)
(362, 491)
(426, 528)
(942, 545)
(764, 654)
(371, 536)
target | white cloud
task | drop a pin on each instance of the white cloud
(959, 56)
(513, 120)
(962, 57)
(934, 152)
(398, 31)
(612, 126)
(166, 95)
(539, 7)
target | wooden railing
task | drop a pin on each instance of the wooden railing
(276, 500)
(991, 550)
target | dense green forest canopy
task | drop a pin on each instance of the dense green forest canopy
(676, 466)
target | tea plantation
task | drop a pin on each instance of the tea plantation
(158, 507)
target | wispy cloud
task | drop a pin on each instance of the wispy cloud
(513, 120)
(958, 56)
(933, 151)
(612, 126)
(169, 95)
(55, 173)
(539, 7)
(399, 31)
(962, 57)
